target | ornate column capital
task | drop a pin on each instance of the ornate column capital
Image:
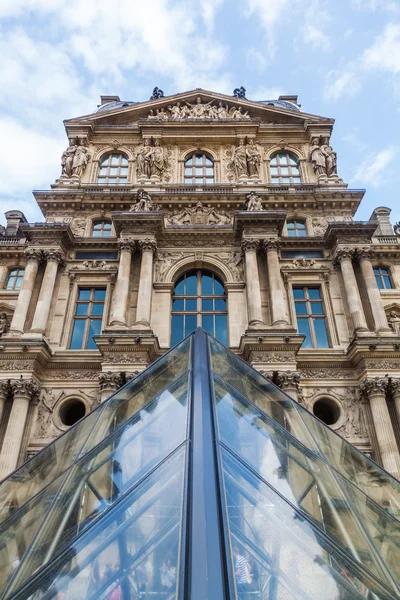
(394, 387)
(251, 244)
(5, 388)
(126, 244)
(342, 254)
(365, 253)
(54, 255)
(110, 381)
(147, 244)
(25, 388)
(32, 254)
(272, 244)
(376, 386)
(288, 380)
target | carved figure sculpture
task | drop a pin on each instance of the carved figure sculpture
(239, 160)
(253, 159)
(81, 159)
(396, 228)
(157, 93)
(67, 158)
(180, 217)
(253, 202)
(157, 159)
(144, 202)
(222, 111)
(394, 322)
(143, 160)
(4, 323)
(198, 110)
(240, 92)
(330, 158)
(175, 111)
(317, 157)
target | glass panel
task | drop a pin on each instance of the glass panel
(274, 170)
(97, 309)
(220, 304)
(115, 159)
(177, 304)
(388, 283)
(316, 308)
(291, 225)
(301, 308)
(284, 170)
(210, 172)
(207, 304)
(314, 293)
(208, 161)
(199, 171)
(298, 293)
(208, 323)
(96, 233)
(99, 294)
(206, 285)
(82, 309)
(191, 304)
(301, 232)
(179, 288)
(94, 329)
(138, 544)
(218, 288)
(191, 285)
(177, 329)
(77, 334)
(221, 330)
(84, 295)
(304, 328)
(321, 335)
(379, 282)
(190, 323)
(278, 554)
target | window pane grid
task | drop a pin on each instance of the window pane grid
(284, 169)
(88, 317)
(199, 300)
(382, 277)
(101, 229)
(199, 170)
(113, 170)
(14, 279)
(296, 228)
(310, 315)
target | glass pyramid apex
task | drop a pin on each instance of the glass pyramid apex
(199, 479)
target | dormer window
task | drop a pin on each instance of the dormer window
(199, 169)
(113, 169)
(284, 169)
(101, 229)
(296, 228)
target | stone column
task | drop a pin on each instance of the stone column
(289, 382)
(344, 257)
(23, 390)
(276, 287)
(253, 293)
(121, 292)
(33, 258)
(395, 389)
(143, 310)
(4, 390)
(54, 257)
(375, 390)
(109, 383)
(374, 295)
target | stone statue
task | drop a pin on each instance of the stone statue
(67, 158)
(157, 93)
(222, 111)
(394, 322)
(355, 425)
(180, 217)
(240, 92)
(239, 160)
(330, 158)
(175, 111)
(319, 225)
(236, 113)
(198, 110)
(151, 160)
(317, 157)
(143, 160)
(81, 159)
(219, 218)
(396, 228)
(253, 202)
(157, 160)
(4, 323)
(253, 159)
(144, 202)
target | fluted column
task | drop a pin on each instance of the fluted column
(121, 292)
(289, 382)
(395, 389)
(109, 383)
(253, 291)
(143, 310)
(344, 257)
(54, 257)
(33, 258)
(23, 391)
(374, 295)
(276, 286)
(4, 391)
(375, 390)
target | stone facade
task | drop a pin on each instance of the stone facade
(125, 219)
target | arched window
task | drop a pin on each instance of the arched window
(296, 228)
(284, 169)
(199, 169)
(113, 169)
(101, 229)
(383, 278)
(199, 300)
(14, 279)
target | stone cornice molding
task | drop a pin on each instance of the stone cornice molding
(251, 244)
(25, 388)
(376, 386)
(110, 381)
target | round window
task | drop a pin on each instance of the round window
(327, 411)
(71, 412)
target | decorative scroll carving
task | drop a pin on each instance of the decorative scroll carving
(364, 253)
(144, 203)
(4, 323)
(126, 244)
(126, 359)
(288, 380)
(199, 111)
(327, 374)
(272, 244)
(94, 264)
(19, 365)
(153, 162)
(273, 357)
(75, 158)
(33, 254)
(199, 215)
(303, 263)
(71, 375)
(343, 254)
(52, 254)
(394, 322)
(110, 381)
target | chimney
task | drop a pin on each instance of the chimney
(107, 99)
(14, 220)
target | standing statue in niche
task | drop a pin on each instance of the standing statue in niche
(394, 322)
(143, 160)
(4, 323)
(67, 158)
(324, 159)
(330, 158)
(75, 158)
(151, 161)
(239, 160)
(253, 159)
(157, 160)
(317, 157)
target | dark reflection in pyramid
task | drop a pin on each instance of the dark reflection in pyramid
(103, 512)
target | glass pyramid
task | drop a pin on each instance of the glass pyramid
(199, 479)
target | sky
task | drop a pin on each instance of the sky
(341, 57)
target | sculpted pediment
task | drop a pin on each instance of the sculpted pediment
(197, 106)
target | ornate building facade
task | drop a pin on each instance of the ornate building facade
(199, 209)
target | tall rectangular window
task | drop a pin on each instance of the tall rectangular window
(87, 318)
(310, 314)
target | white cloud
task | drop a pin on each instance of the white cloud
(269, 12)
(385, 51)
(208, 10)
(316, 37)
(255, 59)
(341, 83)
(374, 169)
(374, 5)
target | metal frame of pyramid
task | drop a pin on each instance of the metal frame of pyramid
(199, 479)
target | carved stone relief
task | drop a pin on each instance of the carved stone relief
(144, 203)
(153, 161)
(78, 226)
(4, 323)
(164, 261)
(126, 359)
(74, 159)
(234, 262)
(243, 163)
(319, 225)
(199, 111)
(199, 215)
